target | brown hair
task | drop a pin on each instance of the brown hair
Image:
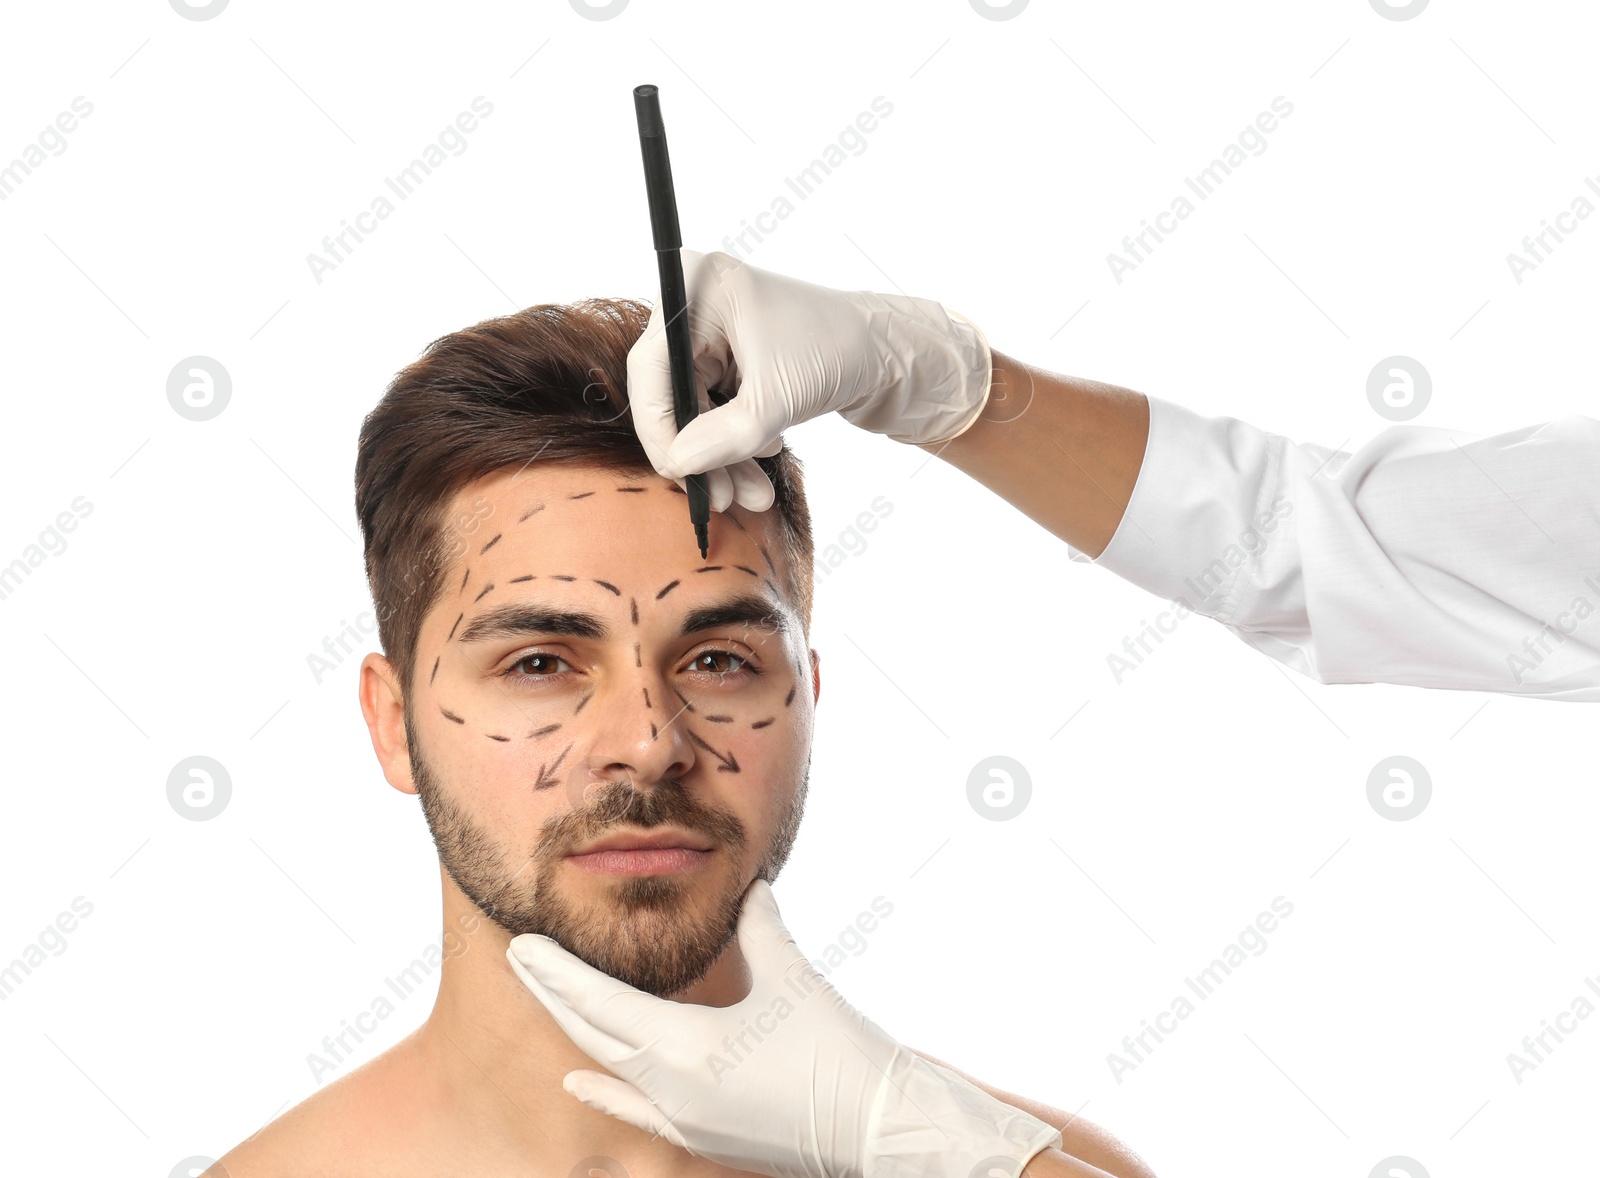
(546, 384)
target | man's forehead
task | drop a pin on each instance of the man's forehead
(598, 521)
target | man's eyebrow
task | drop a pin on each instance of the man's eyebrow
(529, 618)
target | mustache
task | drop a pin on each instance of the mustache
(668, 802)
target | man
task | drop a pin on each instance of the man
(610, 739)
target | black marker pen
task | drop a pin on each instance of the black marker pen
(674, 300)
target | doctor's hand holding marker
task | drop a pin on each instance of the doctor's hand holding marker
(1427, 557)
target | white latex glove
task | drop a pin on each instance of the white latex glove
(890, 364)
(816, 1090)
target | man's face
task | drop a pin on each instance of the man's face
(611, 736)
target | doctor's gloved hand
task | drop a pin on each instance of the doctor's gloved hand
(792, 1081)
(890, 364)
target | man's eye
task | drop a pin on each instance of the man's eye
(530, 661)
(706, 661)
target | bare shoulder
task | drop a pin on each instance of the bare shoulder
(1081, 1138)
(372, 1123)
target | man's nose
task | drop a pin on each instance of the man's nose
(640, 731)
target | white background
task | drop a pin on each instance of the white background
(219, 554)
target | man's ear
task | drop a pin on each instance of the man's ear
(816, 676)
(383, 705)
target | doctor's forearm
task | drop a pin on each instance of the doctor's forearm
(1063, 450)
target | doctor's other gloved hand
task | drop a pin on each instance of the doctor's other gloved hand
(792, 1081)
(891, 364)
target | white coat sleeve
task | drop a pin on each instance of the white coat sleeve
(1427, 557)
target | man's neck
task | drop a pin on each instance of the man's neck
(495, 1048)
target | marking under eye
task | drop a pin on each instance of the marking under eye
(535, 508)
(435, 671)
(545, 731)
(667, 590)
(501, 739)
(486, 589)
(763, 723)
(547, 772)
(561, 577)
(452, 633)
(610, 586)
(686, 703)
(719, 719)
(581, 702)
(491, 543)
(710, 568)
(583, 495)
(519, 580)
(449, 715)
(626, 489)
(727, 764)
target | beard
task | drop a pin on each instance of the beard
(658, 933)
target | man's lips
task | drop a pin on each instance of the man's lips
(643, 853)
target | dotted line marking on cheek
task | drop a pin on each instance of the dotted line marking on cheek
(638, 490)
(452, 633)
(744, 569)
(581, 495)
(486, 589)
(536, 508)
(465, 577)
(668, 590)
(520, 580)
(789, 699)
(718, 719)
(435, 674)
(501, 739)
(633, 608)
(545, 731)
(449, 715)
(561, 577)
(581, 702)
(491, 543)
(687, 705)
(763, 723)
(610, 586)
